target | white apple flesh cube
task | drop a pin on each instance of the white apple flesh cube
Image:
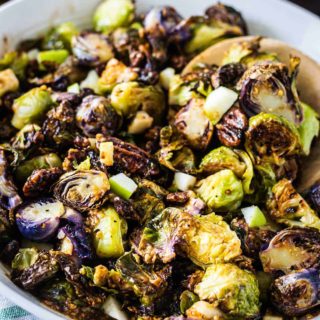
(218, 103)
(184, 181)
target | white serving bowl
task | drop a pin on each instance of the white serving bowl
(21, 19)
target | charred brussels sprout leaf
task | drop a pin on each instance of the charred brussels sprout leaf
(145, 282)
(271, 139)
(39, 219)
(46, 161)
(161, 235)
(209, 239)
(266, 87)
(222, 191)
(82, 189)
(222, 158)
(31, 107)
(96, 115)
(313, 196)
(113, 14)
(129, 97)
(292, 249)
(74, 240)
(9, 197)
(296, 293)
(108, 231)
(287, 206)
(25, 258)
(192, 123)
(91, 49)
(27, 138)
(309, 127)
(235, 290)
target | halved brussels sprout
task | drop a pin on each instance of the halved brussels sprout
(31, 107)
(234, 290)
(148, 284)
(193, 124)
(112, 14)
(297, 293)
(208, 239)
(114, 73)
(270, 139)
(292, 249)
(91, 49)
(96, 115)
(9, 197)
(108, 231)
(26, 137)
(288, 207)
(161, 235)
(221, 191)
(38, 220)
(82, 189)
(247, 53)
(129, 97)
(9, 82)
(24, 170)
(266, 87)
(309, 127)
(222, 158)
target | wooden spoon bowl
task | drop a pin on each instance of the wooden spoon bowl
(308, 84)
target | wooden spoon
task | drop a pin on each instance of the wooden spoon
(308, 83)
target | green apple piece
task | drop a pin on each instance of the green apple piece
(57, 56)
(74, 88)
(254, 216)
(123, 186)
(218, 103)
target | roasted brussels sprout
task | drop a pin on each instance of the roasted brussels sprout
(91, 49)
(60, 37)
(193, 124)
(27, 138)
(24, 259)
(187, 299)
(209, 240)
(9, 82)
(161, 235)
(288, 207)
(235, 290)
(271, 139)
(74, 240)
(297, 293)
(30, 107)
(309, 127)
(108, 231)
(129, 97)
(16, 61)
(221, 191)
(9, 197)
(114, 73)
(112, 14)
(222, 158)
(266, 87)
(96, 115)
(292, 249)
(50, 160)
(38, 220)
(146, 283)
(82, 189)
